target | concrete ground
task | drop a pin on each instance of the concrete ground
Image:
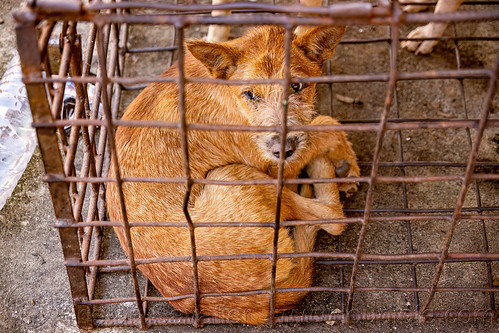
(34, 292)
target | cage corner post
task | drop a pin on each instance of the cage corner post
(27, 45)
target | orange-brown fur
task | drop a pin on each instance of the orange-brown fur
(155, 152)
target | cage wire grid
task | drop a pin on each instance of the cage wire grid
(77, 164)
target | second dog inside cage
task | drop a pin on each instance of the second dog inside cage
(407, 153)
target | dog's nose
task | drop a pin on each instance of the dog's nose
(289, 150)
(287, 153)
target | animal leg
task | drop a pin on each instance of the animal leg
(253, 203)
(327, 193)
(431, 30)
(339, 151)
(311, 3)
(219, 33)
(414, 8)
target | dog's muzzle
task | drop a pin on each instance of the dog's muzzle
(274, 145)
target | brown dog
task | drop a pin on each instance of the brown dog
(155, 152)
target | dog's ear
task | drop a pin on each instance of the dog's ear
(220, 60)
(319, 43)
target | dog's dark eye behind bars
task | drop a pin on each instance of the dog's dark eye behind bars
(296, 87)
(248, 94)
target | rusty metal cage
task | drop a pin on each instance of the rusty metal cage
(423, 237)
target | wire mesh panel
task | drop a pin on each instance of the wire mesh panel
(421, 238)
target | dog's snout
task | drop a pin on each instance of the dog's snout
(289, 149)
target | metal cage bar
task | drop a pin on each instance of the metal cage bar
(32, 66)
(114, 156)
(466, 181)
(475, 182)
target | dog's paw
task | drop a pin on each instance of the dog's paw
(421, 47)
(347, 168)
(345, 163)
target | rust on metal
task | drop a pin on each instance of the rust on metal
(27, 45)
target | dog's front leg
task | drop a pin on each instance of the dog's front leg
(327, 193)
(432, 29)
(338, 150)
(216, 32)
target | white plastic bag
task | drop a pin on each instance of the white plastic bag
(17, 137)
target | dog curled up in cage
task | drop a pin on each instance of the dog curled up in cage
(233, 156)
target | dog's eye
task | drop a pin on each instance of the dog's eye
(250, 95)
(296, 87)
